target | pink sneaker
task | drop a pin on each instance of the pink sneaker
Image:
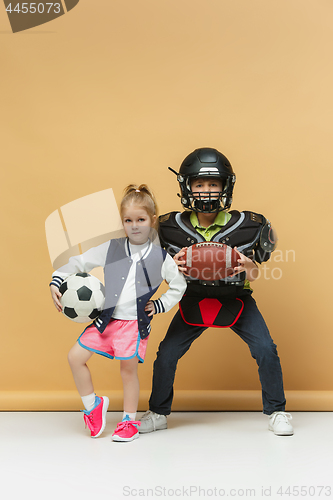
(95, 419)
(126, 430)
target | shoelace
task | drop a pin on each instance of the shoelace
(286, 416)
(88, 419)
(146, 414)
(126, 423)
(149, 416)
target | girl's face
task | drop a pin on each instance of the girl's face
(137, 224)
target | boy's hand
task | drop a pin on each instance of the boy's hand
(55, 297)
(180, 262)
(150, 307)
(247, 265)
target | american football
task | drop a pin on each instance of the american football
(210, 260)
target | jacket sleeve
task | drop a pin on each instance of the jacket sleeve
(177, 286)
(94, 257)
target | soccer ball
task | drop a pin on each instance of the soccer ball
(83, 297)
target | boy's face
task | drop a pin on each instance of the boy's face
(205, 185)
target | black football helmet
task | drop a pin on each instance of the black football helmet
(206, 162)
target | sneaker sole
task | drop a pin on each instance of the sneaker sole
(118, 439)
(160, 428)
(104, 412)
(291, 433)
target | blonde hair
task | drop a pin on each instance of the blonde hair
(139, 195)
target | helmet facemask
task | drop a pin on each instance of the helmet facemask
(206, 201)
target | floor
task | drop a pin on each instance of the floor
(48, 455)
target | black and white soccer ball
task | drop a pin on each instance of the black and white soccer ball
(83, 297)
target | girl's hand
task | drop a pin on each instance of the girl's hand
(150, 307)
(247, 265)
(55, 297)
(180, 262)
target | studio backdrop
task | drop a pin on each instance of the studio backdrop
(113, 92)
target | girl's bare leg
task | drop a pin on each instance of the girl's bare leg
(129, 375)
(77, 358)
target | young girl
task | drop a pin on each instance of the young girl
(134, 267)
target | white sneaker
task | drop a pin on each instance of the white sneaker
(279, 423)
(151, 421)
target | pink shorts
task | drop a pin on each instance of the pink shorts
(120, 340)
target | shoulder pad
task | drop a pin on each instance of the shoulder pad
(266, 240)
(268, 237)
(176, 232)
(252, 217)
(165, 217)
(256, 217)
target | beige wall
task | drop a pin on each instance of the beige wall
(115, 92)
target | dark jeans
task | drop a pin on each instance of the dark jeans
(251, 327)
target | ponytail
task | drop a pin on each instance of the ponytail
(139, 195)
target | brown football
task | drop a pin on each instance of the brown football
(210, 260)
